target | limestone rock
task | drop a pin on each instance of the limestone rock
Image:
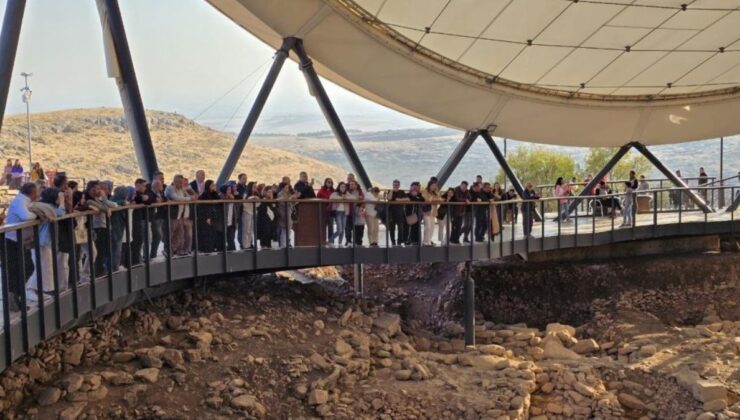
(123, 356)
(630, 401)
(48, 396)
(150, 375)
(73, 411)
(173, 358)
(556, 328)
(249, 403)
(715, 405)
(72, 382)
(586, 346)
(493, 349)
(318, 397)
(388, 324)
(342, 348)
(706, 390)
(201, 336)
(319, 325)
(73, 354)
(555, 350)
(117, 378)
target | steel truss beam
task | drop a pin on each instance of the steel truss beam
(11, 32)
(678, 182)
(460, 150)
(317, 90)
(515, 182)
(128, 86)
(254, 113)
(672, 176)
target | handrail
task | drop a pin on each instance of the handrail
(16, 226)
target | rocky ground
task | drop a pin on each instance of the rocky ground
(268, 347)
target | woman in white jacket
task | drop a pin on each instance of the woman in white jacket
(371, 215)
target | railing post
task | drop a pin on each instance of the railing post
(39, 282)
(55, 274)
(110, 256)
(6, 303)
(74, 269)
(91, 256)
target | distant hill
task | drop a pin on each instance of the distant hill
(95, 144)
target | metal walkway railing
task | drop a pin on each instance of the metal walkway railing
(93, 286)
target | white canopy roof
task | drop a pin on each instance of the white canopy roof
(566, 72)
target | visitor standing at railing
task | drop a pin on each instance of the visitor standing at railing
(443, 213)
(47, 209)
(414, 214)
(430, 209)
(157, 216)
(643, 185)
(240, 193)
(479, 213)
(210, 215)
(16, 175)
(266, 215)
(174, 240)
(496, 211)
(528, 208)
(138, 220)
(628, 205)
(285, 211)
(703, 180)
(247, 217)
(65, 231)
(199, 183)
(37, 173)
(118, 229)
(396, 223)
(18, 212)
(355, 222)
(97, 200)
(325, 192)
(462, 195)
(8, 173)
(340, 211)
(511, 209)
(370, 214)
(562, 191)
(633, 184)
(227, 193)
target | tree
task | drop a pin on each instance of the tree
(539, 165)
(597, 158)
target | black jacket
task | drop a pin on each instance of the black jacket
(304, 189)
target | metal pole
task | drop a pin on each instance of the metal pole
(27, 100)
(259, 103)
(317, 90)
(460, 150)
(501, 158)
(721, 171)
(358, 275)
(9, 36)
(673, 178)
(469, 306)
(505, 159)
(599, 176)
(128, 86)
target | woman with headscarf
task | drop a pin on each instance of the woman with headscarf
(48, 208)
(16, 175)
(37, 173)
(266, 215)
(209, 216)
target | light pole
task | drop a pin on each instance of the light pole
(26, 92)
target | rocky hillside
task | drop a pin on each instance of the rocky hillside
(96, 144)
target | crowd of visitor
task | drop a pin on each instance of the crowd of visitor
(205, 217)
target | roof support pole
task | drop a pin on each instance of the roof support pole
(674, 179)
(121, 66)
(599, 176)
(11, 32)
(515, 182)
(254, 113)
(317, 90)
(460, 150)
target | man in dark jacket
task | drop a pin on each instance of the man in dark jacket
(198, 185)
(241, 194)
(304, 187)
(462, 195)
(480, 212)
(142, 195)
(397, 215)
(528, 208)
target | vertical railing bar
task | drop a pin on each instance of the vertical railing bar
(74, 267)
(168, 221)
(22, 290)
(321, 230)
(542, 225)
(147, 249)
(225, 237)
(6, 301)
(92, 256)
(39, 282)
(55, 275)
(196, 244)
(108, 220)
(575, 227)
(129, 257)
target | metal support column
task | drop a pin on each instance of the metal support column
(460, 150)
(358, 275)
(599, 176)
(254, 113)
(721, 197)
(317, 90)
(9, 36)
(515, 182)
(121, 67)
(674, 179)
(469, 306)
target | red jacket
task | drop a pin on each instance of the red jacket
(325, 194)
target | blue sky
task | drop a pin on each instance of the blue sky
(186, 55)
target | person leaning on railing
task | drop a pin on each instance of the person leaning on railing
(528, 208)
(18, 212)
(443, 215)
(266, 218)
(432, 198)
(414, 214)
(47, 209)
(340, 211)
(370, 214)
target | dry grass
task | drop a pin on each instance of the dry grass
(94, 144)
